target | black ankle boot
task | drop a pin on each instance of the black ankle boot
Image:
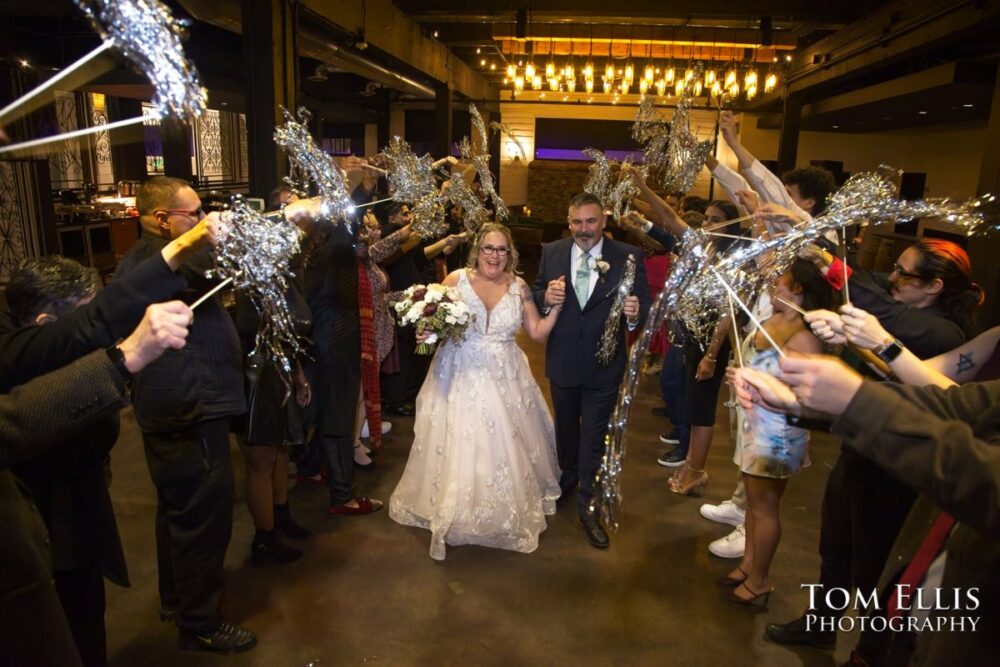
(284, 522)
(267, 547)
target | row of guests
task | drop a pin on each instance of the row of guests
(189, 401)
(927, 303)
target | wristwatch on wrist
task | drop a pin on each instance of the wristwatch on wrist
(117, 358)
(889, 350)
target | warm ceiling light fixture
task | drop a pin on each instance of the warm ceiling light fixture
(669, 76)
(661, 87)
(519, 84)
(536, 82)
(589, 86)
(770, 82)
(649, 74)
(529, 71)
(511, 71)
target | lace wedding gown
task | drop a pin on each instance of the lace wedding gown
(482, 469)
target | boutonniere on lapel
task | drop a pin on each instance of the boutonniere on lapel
(602, 268)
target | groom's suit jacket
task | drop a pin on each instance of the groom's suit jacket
(571, 352)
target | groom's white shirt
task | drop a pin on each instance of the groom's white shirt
(574, 263)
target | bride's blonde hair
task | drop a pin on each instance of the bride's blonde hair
(512, 256)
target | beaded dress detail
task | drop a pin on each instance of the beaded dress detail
(482, 468)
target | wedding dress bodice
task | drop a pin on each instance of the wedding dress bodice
(500, 324)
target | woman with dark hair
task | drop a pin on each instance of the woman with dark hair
(768, 450)
(705, 369)
(927, 305)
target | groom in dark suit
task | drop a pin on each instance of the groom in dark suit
(582, 272)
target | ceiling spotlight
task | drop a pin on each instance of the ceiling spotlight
(922, 113)
(493, 67)
(482, 62)
(788, 58)
(24, 63)
(478, 50)
(435, 34)
(968, 106)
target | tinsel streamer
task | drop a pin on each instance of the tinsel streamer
(480, 160)
(608, 345)
(255, 254)
(600, 176)
(867, 196)
(146, 32)
(311, 163)
(474, 214)
(616, 191)
(692, 288)
(652, 131)
(607, 498)
(685, 154)
(429, 216)
(506, 131)
(410, 178)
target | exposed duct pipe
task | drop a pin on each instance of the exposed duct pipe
(318, 46)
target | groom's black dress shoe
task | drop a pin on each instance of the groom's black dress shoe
(595, 532)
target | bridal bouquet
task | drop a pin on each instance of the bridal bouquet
(434, 309)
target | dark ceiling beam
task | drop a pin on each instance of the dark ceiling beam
(837, 11)
(386, 28)
(902, 29)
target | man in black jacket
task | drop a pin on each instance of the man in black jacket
(68, 483)
(37, 415)
(183, 404)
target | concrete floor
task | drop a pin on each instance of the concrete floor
(367, 592)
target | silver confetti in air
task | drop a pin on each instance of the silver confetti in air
(146, 32)
(308, 162)
(610, 339)
(615, 190)
(255, 254)
(480, 160)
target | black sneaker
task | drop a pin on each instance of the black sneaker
(674, 458)
(670, 438)
(660, 411)
(226, 639)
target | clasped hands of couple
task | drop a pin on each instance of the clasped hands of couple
(818, 383)
(555, 297)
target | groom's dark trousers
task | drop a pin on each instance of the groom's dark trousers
(583, 390)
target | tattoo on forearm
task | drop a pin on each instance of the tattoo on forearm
(965, 362)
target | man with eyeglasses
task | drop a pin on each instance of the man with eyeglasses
(183, 403)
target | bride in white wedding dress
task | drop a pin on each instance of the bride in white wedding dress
(482, 469)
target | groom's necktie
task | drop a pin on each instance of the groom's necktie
(582, 282)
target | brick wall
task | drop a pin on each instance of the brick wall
(551, 183)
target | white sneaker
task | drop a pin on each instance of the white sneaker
(732, 545)
(726, 512)
(386, 427)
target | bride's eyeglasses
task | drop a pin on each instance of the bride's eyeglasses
(494, 250)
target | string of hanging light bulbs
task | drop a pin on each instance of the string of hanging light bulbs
(663, 75)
